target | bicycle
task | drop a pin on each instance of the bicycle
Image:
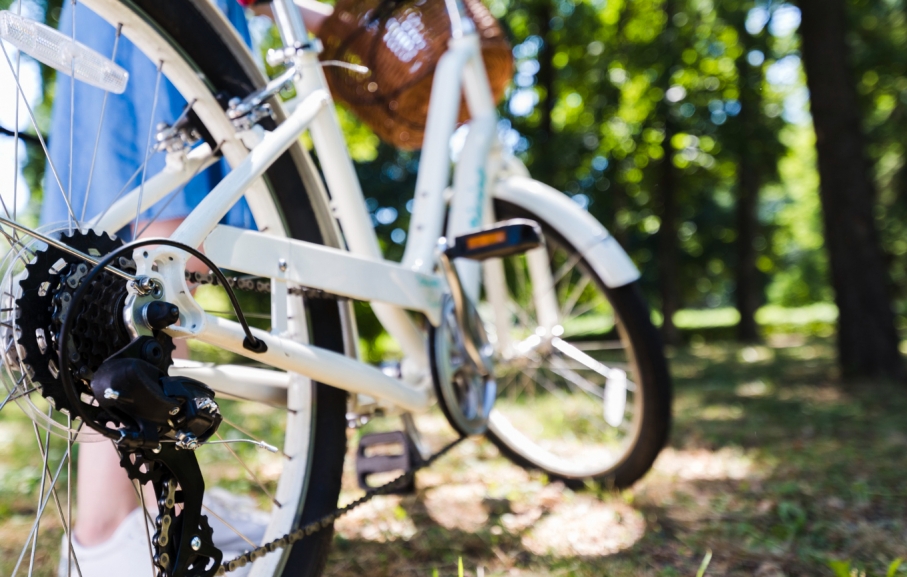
(524, 320)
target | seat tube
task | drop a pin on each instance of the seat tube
(343, 185)
(289, 22)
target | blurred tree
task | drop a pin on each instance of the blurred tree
(666, 187)
(867, 340)
(753, 138)
(877, 35)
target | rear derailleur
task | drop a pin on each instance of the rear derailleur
(117, 382)
(164, 420)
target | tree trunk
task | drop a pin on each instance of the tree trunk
(618, 197)
(668, 271)
(545, 160)
(748, 293)
(867, 339)
(666, 197)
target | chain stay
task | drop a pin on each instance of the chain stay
(328, 520)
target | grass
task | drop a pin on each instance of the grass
(774, 468)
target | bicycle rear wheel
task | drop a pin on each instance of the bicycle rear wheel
(198, 51)
(584, 390)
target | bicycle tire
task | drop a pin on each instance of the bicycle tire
(654, 377)
(210, 46)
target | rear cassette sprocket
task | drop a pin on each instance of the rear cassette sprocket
(51, 279)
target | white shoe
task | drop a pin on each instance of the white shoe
(240, 512)
(126, 552)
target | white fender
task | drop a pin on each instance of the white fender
(587, 235)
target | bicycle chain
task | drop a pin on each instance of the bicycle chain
(258, 285)
(329, 519)
(162, 524)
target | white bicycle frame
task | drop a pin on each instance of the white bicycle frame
(361, 272)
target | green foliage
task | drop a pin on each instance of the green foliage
(35, 162)
(844, 569)
(605, 92)
(705, 563)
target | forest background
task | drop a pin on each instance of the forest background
(750, 156)
(688, 128)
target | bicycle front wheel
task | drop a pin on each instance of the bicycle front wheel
(584, 390)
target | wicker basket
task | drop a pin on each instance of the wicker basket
(401, 41)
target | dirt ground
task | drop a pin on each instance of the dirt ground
(774, 468)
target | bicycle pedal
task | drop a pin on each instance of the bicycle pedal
(506, 238)
(384, 453)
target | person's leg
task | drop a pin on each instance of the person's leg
(104, 493)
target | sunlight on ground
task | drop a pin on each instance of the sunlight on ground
(378, 520)
(458, 506)
(586, 526)
(700, 464)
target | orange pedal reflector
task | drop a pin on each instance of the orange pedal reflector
(506, 238)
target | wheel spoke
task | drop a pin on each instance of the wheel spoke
(8, 398)
(581, 357)
(44, 454)
(557, 365)
(145, 522)
(172, 195)
(229, 526)
(575, 294)
(16, 135)
(119, 194)
(523, 316)
(72, 125)
(250, 471)
(546, 384)
(31, 115)
(20, 395)
(32, 534)
(45, 451)
(589, 307)
(97, 141)
(15, 387)
(148, 149)
(565, 269)
(69, 472)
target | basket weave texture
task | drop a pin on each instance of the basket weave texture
(400, 42)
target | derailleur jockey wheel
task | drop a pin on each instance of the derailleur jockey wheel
(113, 376)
